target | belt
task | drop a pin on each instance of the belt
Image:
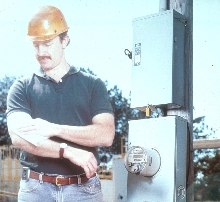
(60, 180)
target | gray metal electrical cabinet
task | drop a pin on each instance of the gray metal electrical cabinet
(158, 60)
(168, 135)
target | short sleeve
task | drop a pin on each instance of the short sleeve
(100, 101)
(17, 99)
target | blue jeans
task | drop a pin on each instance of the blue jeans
(34, 191)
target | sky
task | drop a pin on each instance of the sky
(100, 31)
(206, 62)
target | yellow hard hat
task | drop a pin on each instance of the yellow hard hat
(47, 23)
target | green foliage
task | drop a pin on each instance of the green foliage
(206, 165)
(123, 113)
(207, 187)
(120, 104)
(87, 71)
(5, 84)
(201, 131)
(206, 161)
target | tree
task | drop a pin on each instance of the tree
(120, 104)
(201, 131)
(207, 187)
(206, 161)
(206, 165)
(123, 113)
(5, 84)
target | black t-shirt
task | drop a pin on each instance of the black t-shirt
(74, 100)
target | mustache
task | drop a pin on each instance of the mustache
(43, 57)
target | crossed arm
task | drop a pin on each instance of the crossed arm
(99, 133)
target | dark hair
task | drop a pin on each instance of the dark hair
(62, 35)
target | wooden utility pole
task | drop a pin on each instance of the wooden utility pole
(185, 7)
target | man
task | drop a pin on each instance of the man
(58, 116)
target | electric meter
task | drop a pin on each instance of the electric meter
(139, 160)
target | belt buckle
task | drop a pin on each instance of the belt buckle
(59, 177)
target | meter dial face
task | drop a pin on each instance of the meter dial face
(143, 161)
(138, 156)
(135, 159)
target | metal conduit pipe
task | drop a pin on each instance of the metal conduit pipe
(163, 5)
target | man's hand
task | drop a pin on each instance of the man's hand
(38, 127)
(82, 158)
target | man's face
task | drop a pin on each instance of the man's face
(49, 53)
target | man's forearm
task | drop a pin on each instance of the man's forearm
(46, 148)
(91, 135)
(100, 133)
(21, 122)
(49, 148)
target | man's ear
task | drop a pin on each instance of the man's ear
(66, 41)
